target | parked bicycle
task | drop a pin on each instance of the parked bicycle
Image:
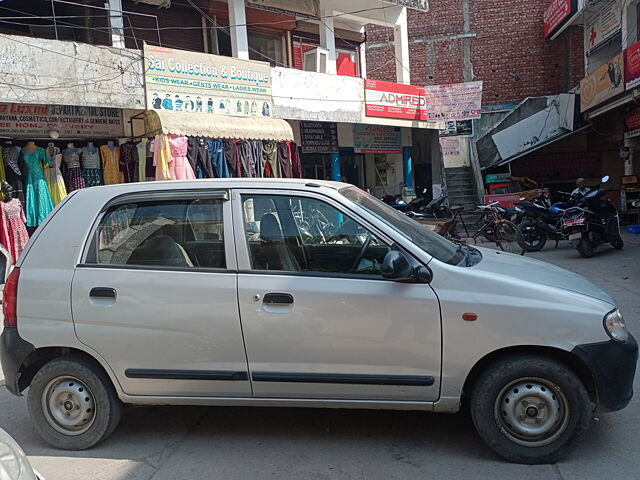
(498, 227)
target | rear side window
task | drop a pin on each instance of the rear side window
(168, 233)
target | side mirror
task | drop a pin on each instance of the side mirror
(396, 267)
(604, 179)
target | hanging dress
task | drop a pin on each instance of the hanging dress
(73, 171)
(12, 171)
(180, 167)
(91, 167)
(14, 234)
(162, 157)
(37, 196)
(53, 175)
(110, 165)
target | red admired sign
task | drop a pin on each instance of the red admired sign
(632, 66)
(395, 100)
(555, 14)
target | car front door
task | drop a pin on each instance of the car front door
(155, 296)
(319, 320)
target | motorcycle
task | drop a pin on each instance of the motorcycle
(541, 223)
(592, 222)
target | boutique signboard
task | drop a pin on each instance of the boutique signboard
(182, 81)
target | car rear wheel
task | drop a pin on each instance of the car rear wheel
(530, 409)
(72, 403)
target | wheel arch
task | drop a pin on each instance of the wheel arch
(41, 356)
(566, 358)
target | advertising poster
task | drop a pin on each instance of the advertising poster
(457, 128)
(377, 139)
(556, 13)
(603, 24)
(394, 100)
(459, 101)
(632, 66)
(606, 82)
(37, 121)
(319, 137)
(182, 81)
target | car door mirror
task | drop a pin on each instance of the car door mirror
(396, 267)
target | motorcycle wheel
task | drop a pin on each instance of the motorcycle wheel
(532, 238)
(618, 243)
(585, 247)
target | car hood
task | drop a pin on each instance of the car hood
(536, 271)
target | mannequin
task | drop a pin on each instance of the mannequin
(14, 234)
(111, 145)
(38, 201)
(110, 156)
(91, 167)
(30, 146)
(53, 175)
(73, 172)
(12, 170)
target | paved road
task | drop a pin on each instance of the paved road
(238, 443)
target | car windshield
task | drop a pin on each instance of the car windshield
(432, 243)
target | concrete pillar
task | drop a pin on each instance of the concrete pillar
(239, 39)
(401, 43)
(363, 60)
(328, 39)
(336, 176)
(116, 23)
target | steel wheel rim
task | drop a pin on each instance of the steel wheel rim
(68, 405)
(532, 412)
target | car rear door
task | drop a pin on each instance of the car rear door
(319, 320)
(155, 295)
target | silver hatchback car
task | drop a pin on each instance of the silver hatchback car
(291, 293)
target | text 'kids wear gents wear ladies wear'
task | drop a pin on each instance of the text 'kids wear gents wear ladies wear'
(110, 164)
(73, 171)
(91, 167)
(37, 196)
(13, 233)
(53, 175)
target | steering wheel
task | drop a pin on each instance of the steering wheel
(363, 250)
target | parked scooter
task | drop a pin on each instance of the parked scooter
(542, 221)
(592, 222)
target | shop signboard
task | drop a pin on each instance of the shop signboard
(457, 128)
(606, 82)
(603, 24)
(182, 81)
(632, 119)
(632, 66)
(459, 101)
(319, 137)
(556, 14)
(59, 121)
(299, 8)
(394, 100)
(377, 139)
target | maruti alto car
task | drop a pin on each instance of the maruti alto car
(300, 294)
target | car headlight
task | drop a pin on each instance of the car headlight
(615, 327)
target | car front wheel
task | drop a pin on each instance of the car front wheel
(72, 403)
(530, 409)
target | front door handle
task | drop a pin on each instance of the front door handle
(102, 292)
(277, 299)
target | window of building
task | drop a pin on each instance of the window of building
(267, 48)
(171, 233)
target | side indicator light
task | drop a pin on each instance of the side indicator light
(469, 317)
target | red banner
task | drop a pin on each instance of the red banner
(632, 66)
(632, 119)
(395, 100)
(555, 13)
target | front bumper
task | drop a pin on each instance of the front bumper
(613, 366)
(13, 351)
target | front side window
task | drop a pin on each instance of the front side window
(170, 233)
(300, 234)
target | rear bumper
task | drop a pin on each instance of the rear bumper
(13, 351)
(613, 366)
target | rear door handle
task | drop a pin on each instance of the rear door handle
(278, 298)
(102, 292)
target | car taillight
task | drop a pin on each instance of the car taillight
(10, 299)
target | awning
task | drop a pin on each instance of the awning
(500, 162)
(216, 126)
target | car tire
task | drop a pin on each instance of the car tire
(530, 409)
(73, 404)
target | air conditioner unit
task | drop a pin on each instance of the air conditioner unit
(315, 60)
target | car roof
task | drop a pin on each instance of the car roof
(226, 183)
